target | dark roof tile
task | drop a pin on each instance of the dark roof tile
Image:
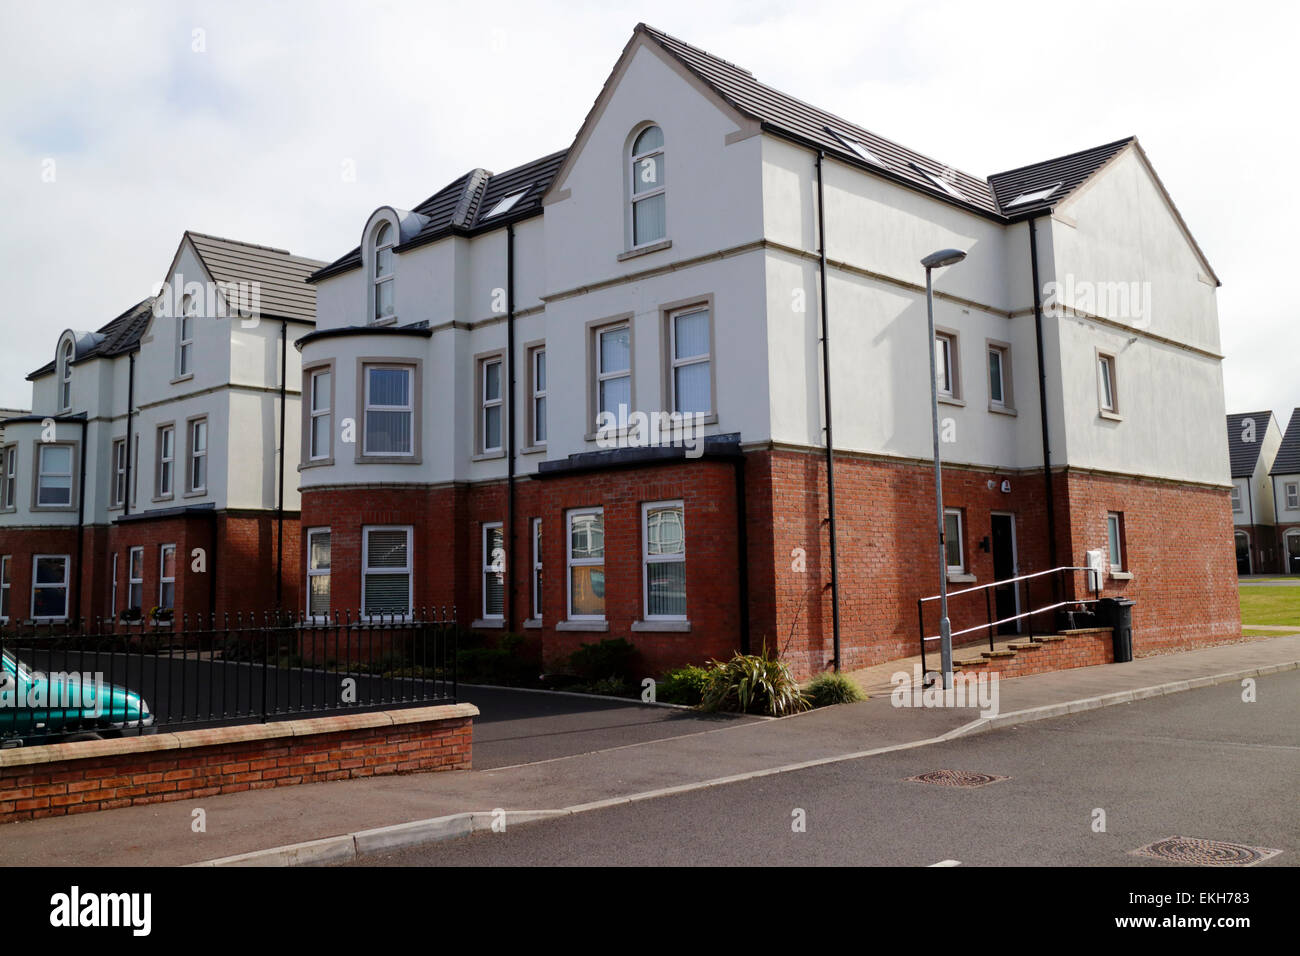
(1287, 461)
(1243, 455)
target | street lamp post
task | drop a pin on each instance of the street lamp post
(937, 260)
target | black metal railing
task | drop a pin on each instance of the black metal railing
(108, 678)
(1056, 584)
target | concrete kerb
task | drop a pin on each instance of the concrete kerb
(399, 836)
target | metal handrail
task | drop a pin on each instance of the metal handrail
(990, 623)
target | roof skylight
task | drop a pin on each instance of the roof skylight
(858, 148)
(506, 204)
(1036, 196)
(948, 187)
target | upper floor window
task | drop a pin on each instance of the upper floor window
(319, 436)
(614, 370)
(119, 472)
(166, 460)
(8, 477)
(54, 476)
(1108, 394)
(389, 411)
(1236, 499)
(185, 336)
(490, 405)
(537, 392)
(946, 371)
(385, 239)
(692, 374)
(649, 220)
(65, 376)
(1292, 489)
(198, 470)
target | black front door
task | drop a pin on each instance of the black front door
(1243, 553)
(1004, 566)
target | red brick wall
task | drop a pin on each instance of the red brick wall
(21, 544)
(1283, 559)
(198, 769)
(1082, 649)
(1264, 554)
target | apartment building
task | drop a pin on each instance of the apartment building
(1253, 442)
(1285, 478)
(587, 397)
(147, 474)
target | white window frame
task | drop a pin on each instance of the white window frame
(486, 403)
(946, 365)
(66, 586)
(537, 423)
(408, 408)
(9, 478)
(636, 197)
(571, 562)
(6, 571)
(704, 358)
(603, 376)
(487, 568)
(119, 472)
(166, 462)
(163, 580)
(376, 280)
(185, 343)
(961, 540)
(42, 474)
(1107, 384)
(319, 573)
(1291, 494)
(66, 355)
(366, 571)
(1001, 355)
(316, 412)
(535, 583)
(112, 599)
(195, 454)
(132, 582)
(1236, 499)
(648, 559)
(1115, 520)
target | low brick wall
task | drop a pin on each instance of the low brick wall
(58, 779)
(1069, 649)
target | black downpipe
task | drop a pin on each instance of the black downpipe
(830, 441)
(508, 569)
(130, 408)
(279, 507)
(742, 552)
(81, 523)
(1042, 406)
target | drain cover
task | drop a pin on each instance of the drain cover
(957, 778)
(1193, 852)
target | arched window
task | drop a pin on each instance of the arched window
(385, 239)
(65, 377)
(649, 220)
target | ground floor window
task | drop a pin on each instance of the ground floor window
(386, 579)
(318, 572)
(663, 560)
(167, 576)
(5, 562)
(1115, 539)
(112, 588)
(50, 587)
(135, 580)
(494, 567)
(586, 561)
(953, 544)
(537, 569)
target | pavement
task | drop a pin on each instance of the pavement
(539, 753)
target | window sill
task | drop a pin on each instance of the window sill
(532, 623)
(489, 456)
(663, 627)
(963, 578)
(582, 625)
(1002, 409)
(316, 463)
(391, 320)
(645, 250)
(160, 499)
(197, 493)
(1110, 416)
(952, 400)
(533, 450)
(46, 509)
(182, 378)
(1121, 575)
(387, 460)
(488, 623)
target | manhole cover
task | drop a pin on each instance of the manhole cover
(1193, 852)
(957, 778)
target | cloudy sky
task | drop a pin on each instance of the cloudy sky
(239, 119)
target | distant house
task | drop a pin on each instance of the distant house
(1253, 440)
(1285, 475)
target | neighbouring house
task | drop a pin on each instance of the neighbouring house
(587, 398)
(1285, 477)
(147, 474)
(1253, 441)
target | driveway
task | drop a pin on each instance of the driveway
(522, 726)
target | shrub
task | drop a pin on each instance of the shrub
(686, 685)
(609, 658)
(509, 663)
(604, 686)
(830, 688)
(753, 684)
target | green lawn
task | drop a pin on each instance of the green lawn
(1270, 605)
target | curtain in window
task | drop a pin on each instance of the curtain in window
(649, 220)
